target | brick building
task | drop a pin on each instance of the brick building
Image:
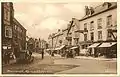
(7, 14)
(13, 33)
(19, 36)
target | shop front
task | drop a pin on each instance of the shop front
(108, 49)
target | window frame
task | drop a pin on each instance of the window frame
(92, 36)
(109, 20)
(99, 35)
(99, 23)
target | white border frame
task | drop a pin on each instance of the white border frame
(70, 1)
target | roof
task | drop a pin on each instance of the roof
(16, 22)
(101, 8)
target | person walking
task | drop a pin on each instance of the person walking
(42, 53)
(7, 57)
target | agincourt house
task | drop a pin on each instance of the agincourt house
(95, 33)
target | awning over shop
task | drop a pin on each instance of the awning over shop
(73, 47)
(60, 47)
(107, 44)
(94, 45)
(56, 48)
(47, 49)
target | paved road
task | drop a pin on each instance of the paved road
(88, 66)
(39, 66)
(60, 65)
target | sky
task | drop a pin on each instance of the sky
(42, 19)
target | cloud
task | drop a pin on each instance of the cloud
(51, 23)
(41, 19)
(75, 7)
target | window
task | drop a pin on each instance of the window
(8, 32)
(99, 35)
(109, 20)
(83, 47)
(15, 27)
(85, 37)
(92, 36)
(99, 22)
(8, 4)
(109, 35)
(85, 26)
(92, 25)
(6, 15)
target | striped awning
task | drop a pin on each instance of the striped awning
(108, 44)
(94, 45)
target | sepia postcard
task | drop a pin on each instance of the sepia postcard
(59, 38)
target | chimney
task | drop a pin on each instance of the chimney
(91, 10)
(58, 30)
(106, 5)
(87, 10)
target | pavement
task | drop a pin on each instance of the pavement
(88, 66)
(38, 66)
(61, 65)
(97, 58)
(57, 56)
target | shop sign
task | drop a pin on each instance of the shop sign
(4, 47)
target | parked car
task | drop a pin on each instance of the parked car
(25, 56)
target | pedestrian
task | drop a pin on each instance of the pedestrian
(42, 53)
(7, 57)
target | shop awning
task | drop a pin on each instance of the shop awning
(108, 44)
(94, 45)
(62, 46)
(74, 47)
(47, 49)
(4, 47)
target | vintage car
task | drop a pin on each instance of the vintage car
(25, 56)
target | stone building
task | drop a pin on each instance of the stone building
(98, 28)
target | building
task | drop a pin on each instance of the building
(7, 14)
(31, 44)
(13, 33)
(58, 39)
(19, 36)
(98, 29)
